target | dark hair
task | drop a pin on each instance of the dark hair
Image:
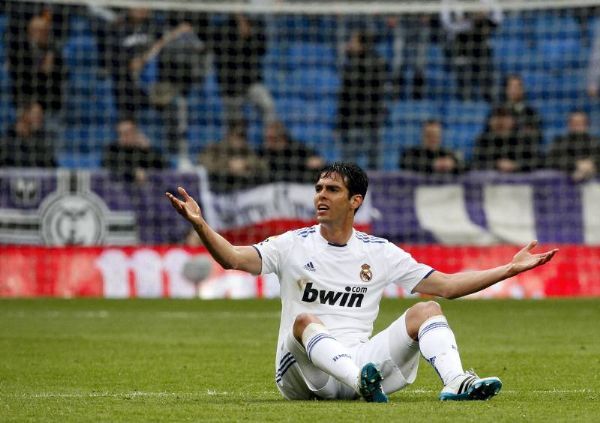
(501, 111)
(237, 126)
(432, 121)
(354, 177)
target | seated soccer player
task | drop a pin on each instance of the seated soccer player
(332, 279)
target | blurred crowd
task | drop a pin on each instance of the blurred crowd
(184, 46)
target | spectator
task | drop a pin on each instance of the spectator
(361, 100)
(527, 121)
(593, 71)
(288, 160)
(577, 152)
(28, 143)
(502, 148)
(134, 40)
(131, 154)
(35, 64)
(411, 34)
(239, 46)
(431, 157)
(231, 163)
(468, 46)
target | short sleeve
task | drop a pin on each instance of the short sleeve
(403, 269)
(273, 252)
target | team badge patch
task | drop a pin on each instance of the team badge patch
(365, 273)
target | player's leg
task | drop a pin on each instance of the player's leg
(426, 323)
(396, 354)
(333, 358)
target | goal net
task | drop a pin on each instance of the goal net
(478, 121)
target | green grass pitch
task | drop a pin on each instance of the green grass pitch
(167, 360)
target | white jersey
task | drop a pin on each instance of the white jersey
(340, 284)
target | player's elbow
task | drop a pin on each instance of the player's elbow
(450, 294)
(228, 265)
(448, 290)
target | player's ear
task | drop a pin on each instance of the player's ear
(356, 201)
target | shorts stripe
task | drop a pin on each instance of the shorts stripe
(285, 361)
(284, 369)
(433, 326)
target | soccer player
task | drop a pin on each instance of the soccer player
(332, 279)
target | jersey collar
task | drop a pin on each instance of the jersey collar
(332, 244)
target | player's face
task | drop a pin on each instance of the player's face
(331, 199)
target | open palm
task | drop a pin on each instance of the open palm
(188, 208)
(525, 260)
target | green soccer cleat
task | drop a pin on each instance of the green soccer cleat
(469, 387)
(370, 384)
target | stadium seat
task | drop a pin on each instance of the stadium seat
(296, 109)
(7, 111)
(3, 21)
(311, 54)
(560, 54)
(313, 83)
(571, 85)
(440, 83)
(78, 160)
(204, 102)
(81, 52)
(414, 111)
(553, 24)
(83, 139)
(470, 112)
(93, 105)
(313, 134)
(201, 135)
(275, 80)
(512, 54)
(516, 24)
(461, 137)
(538, 84)
(395, 139)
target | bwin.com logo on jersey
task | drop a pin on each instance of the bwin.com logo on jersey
(351, 297)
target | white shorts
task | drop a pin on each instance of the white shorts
(392, 350)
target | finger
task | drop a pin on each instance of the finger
(548, 256)
(175, 202)
(183, 192)
(531, 245)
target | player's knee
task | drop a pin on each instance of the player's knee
(301, 322)
(431, 308)
(418, 314)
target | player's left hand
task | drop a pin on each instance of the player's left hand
(525, 260)
(188, 208)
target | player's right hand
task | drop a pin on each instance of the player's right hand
(188, 208)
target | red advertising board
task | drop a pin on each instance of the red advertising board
(123, 272)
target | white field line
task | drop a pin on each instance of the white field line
(132, 394)
(103, 314)
(511, 392)
(210, 392)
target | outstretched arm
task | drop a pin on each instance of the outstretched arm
(229, 256)
(464, 283)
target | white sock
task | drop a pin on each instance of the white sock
(327, 354)
(438, 346)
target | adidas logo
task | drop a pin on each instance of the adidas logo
(310, 266)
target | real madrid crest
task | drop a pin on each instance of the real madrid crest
(365, 273)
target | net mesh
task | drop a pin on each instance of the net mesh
(477, 120)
